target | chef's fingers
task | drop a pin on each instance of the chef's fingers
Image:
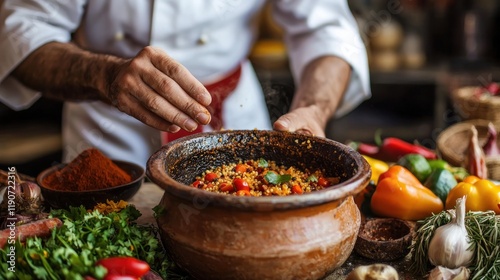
(299, 121)
(179, 74)
(157, 104)
(168, 88)
(128, 101)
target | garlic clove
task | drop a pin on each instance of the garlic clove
(443, 273)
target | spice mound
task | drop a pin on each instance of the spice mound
(261, 178)
(90, 170)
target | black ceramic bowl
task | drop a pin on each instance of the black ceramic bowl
(64, 199)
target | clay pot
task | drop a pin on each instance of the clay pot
(217, 236)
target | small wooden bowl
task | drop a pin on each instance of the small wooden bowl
(384, 239)
(63, 199)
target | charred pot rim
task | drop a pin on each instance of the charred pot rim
(174, 166)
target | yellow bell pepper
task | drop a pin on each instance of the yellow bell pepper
(482, 195)
(399, 194)
(378, 167)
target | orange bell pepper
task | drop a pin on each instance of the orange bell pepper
(482, 195)
(399, 194)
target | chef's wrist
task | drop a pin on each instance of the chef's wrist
(108, 67)
(323, 85)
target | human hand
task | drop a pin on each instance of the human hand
(305, 120)
(158, 91)
(321, 89)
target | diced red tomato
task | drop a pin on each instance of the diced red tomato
(243, 193)
(196, 183)
(296, 189)
(241, 168)
(226, 188)
(241, 184)
(323, 182)
(209, 177)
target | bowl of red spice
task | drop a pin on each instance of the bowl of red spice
(89, 179)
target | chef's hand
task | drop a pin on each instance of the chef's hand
(321, 90)
(159, 91)
(305, 120)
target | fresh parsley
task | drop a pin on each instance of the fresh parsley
(85, 237)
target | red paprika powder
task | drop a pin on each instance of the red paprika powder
(90, 170)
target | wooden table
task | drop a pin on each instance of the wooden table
(149, 196)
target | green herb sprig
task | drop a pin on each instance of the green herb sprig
(85, 237)
(275, 178)
(483, 230)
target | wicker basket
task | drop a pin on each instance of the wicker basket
(470, 107)
(453, 142)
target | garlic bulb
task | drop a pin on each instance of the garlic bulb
(373, 272)
(449, 247)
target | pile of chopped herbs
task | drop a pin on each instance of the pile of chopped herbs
(84, 238)
(483, 229)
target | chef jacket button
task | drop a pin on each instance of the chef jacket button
(203, 39)
(119, 36)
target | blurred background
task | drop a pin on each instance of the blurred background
(419, 53)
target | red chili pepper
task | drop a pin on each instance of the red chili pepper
(396, 148)
(392, 149)
(124, 266)
(119, 277)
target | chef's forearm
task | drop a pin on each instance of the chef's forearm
(67, 72)
(323, 83)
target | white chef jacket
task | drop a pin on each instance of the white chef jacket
(210, 38)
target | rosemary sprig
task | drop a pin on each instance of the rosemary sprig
(484, 234)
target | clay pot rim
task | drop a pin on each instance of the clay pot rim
(156, 166)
